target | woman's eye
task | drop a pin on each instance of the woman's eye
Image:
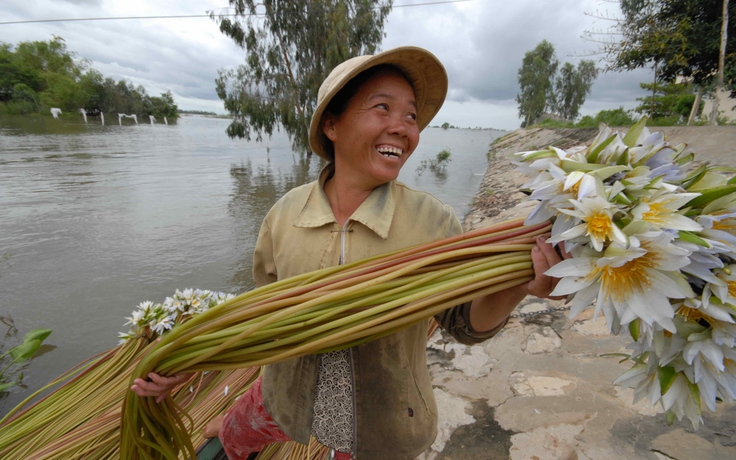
(382, 106)
(413, 116)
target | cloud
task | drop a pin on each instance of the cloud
(481, 44)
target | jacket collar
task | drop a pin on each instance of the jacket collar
(376, 212)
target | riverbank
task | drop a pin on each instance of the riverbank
(542, 389)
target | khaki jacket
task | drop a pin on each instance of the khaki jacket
(395, 409)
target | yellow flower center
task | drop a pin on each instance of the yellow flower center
(575, 188)
(599, 225)
(727, 225)
(653, 215)
(732, 288)
(619, 282)
(693, 315)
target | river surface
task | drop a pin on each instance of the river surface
(95, 219)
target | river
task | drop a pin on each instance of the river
(95, 219)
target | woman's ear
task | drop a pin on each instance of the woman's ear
(328, 127)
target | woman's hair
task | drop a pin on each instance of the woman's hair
(340, 101)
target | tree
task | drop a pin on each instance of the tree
(291, 46)
(671, 100)
(542, 89)
(682, 37)
(572, 86)
(535, 79)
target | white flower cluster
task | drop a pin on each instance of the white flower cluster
(154, 319)
(653, 239)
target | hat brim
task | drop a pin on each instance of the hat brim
(424, 71)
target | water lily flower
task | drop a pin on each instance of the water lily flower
(680, 400)
(661, 209)
(596, 215)
(163, 325)
(635, 281)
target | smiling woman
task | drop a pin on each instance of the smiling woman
(373, 400)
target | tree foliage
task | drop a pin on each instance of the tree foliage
(291, 46)
(671, 100)
(572, 86)
(38, 75)
(536, 77)
(544, 89)
(682, 37)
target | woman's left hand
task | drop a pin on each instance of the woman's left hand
(544, 257)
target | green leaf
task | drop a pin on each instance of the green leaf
(623, 159)
(670, 417)
(570, 166)
(593, 154)
(690, 237)
(25, 351)
(622, 199)
(633, 135)
(685, 327)
(605, 173)
(37, 334)
(685, 159)
(695, 394)
(667, 376)
(548, 153)
(706, 196)
(695, 176)
(732, 181)
(634, 329)
(708, 181)
(5, 386)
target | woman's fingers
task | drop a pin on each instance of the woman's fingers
(544, 257)
(212, 429)
(158, 386)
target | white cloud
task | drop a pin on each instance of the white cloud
(480, 42)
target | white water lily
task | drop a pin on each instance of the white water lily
(679, 399)
(653, 239)
(159, 318)
(661, 211)
(163, 324)
(598, 224)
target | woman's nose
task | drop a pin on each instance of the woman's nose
(398, 125)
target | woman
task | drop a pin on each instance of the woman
(373, 401)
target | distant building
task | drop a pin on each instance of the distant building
(726, 106)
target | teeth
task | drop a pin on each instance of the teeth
(390, 151)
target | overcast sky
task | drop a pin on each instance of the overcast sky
(481, 43)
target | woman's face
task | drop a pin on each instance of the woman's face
(376, 133)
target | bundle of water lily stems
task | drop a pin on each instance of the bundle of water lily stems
(92, 415)
(320, 311)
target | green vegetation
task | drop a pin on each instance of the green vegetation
(37, 76)
(679, 37)
(543, 89)
(289, 50)
(670, 103)
(437, 164)
(11, 360)
(614, 117)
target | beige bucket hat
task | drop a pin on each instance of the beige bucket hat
(425, 73)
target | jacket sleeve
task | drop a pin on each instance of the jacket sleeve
(456, 321)
(264, 265)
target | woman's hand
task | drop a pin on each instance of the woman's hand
(158, 386)
(212, 429)
(544, 257)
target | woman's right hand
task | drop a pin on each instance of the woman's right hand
(158, 386)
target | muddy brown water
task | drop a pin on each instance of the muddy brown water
(96, 219)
